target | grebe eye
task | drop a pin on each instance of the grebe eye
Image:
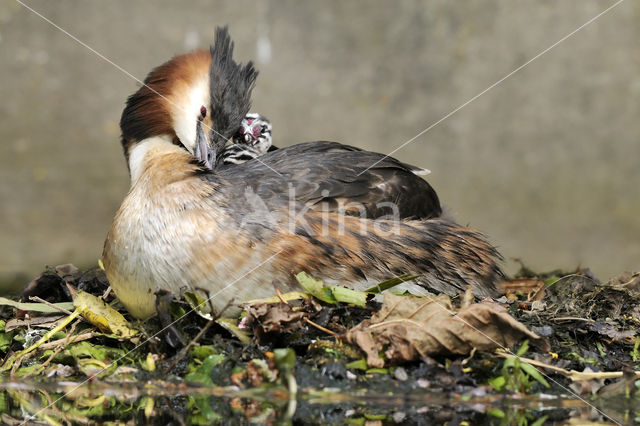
(203, 111)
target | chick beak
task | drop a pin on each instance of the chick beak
(202, 150)
(250, 134)
(248, 138)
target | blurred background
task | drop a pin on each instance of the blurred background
(547, 163)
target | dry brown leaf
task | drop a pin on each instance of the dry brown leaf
(42, 322)
(612, 331)
(266, 318)
(407, 327)
(627, 280)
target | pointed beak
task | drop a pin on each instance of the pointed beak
(248, 137)
(203, 150)
(245, 133)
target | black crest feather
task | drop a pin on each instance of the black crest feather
(231, 85)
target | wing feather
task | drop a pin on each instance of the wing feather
(328, 175)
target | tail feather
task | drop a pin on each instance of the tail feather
(230, 88)
(448, 257)
(458, 255)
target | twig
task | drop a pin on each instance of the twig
(573, 319)
(184, 351)
(9, 362)
(201, 333)
(106, 293)
(280, 296)
(38, 299)
(574, 375)
(63, 344)
(55, 408)
(319, 327)
(73, 339)
(18, 362)
(44, 365)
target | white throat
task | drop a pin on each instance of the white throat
(139, 153)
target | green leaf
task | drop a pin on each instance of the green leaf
(149, 363)
(378, 371)
(4, 403)
(88, 350)
(346, 295)
(292, 295)
(285, 359)
(498, 383)
(201, 352)
(23, 371)
(94, 367)
(331, 294)
(540, 421)
(533, 372)
(509, 362)
(5, 341)
(231, 325)
(496, 412)
(550, 281)
(375, 416)
(360, 364)
(202, 373)
(198, 303)
(523, 349)
(635, 353)
(36, 307)
(206, 414)
(386, 285)
(315, 288)
(176, 311)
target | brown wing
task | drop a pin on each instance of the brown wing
(328, 175)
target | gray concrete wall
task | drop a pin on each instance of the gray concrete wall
(546, 163)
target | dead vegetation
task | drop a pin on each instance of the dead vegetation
(555, 346)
